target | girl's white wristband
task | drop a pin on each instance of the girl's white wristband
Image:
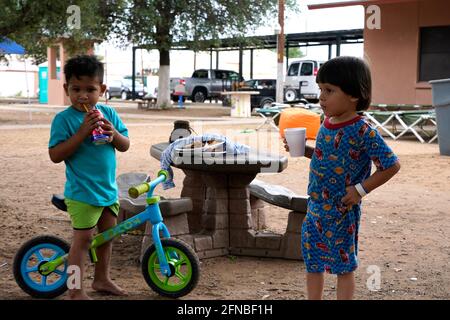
(360, 190)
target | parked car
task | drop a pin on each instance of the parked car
(304, 71)
(267, 89)
(123, 89)
(267, 92)
(205, 84)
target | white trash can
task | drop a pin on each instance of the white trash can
(441, 102)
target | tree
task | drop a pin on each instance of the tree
(198, 24)
(37, 24)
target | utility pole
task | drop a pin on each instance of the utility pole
(279, 30)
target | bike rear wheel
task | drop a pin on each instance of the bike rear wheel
(28, 260)
(184, 265)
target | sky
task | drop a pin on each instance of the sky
(322, 20)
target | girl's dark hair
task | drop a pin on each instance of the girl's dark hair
(83, 65)
(352, 75)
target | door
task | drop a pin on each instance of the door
(307, 74)
(43, 84)
(292, 76)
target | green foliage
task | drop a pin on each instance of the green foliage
(160, 23)
(36, 24)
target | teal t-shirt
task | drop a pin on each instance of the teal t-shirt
(91, 170)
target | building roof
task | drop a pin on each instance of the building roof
(353, 3)
(291, 40)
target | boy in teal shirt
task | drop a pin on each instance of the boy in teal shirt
(91, 192)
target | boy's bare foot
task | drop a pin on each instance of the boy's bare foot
(108, 287)
(78, 295)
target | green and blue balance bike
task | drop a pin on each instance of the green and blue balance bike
(170, 266)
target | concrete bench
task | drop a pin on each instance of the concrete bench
(148, 102)
(290, 242)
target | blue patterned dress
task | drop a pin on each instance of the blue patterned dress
(342, 157)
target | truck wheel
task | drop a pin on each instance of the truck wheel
(266, 103)
(124, 95)
(290, 95)
(199, 95)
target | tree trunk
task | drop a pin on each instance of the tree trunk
(164, 100)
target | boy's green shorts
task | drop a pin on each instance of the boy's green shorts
(86, 216)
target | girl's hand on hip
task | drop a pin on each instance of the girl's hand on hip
(352, 197)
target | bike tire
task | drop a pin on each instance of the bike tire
(22, 270)
(173, 286)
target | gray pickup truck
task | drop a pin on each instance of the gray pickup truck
(205, 84)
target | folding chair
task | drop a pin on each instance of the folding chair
(270, 114)
(414, 121)
(386, 117)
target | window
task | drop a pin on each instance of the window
(293, 69)
(307, 69)
(434, 53)
(200, 74)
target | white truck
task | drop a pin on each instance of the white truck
(205, 84)
(304, 72)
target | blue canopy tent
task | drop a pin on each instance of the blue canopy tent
(8, 46)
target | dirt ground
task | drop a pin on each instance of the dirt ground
(404, 227)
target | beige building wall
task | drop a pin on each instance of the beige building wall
(393, 51)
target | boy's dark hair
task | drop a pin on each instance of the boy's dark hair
(83, 65)
(352, 75)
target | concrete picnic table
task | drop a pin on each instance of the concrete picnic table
(221, 221)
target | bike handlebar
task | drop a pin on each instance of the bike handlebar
(144, 187)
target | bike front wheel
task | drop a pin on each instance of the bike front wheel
(28, 260)
(184, 266)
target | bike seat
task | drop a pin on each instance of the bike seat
(58, 201)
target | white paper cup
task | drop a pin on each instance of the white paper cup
(296, 140)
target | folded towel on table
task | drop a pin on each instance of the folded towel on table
(166, 157)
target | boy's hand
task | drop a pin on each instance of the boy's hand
(108, 129)
(352, 197)
(89, 123)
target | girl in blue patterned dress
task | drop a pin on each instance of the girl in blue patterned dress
(340, 175)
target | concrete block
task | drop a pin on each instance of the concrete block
(221, 239)
(255, 252)
(215, 221)
(215, 180)
(188, 238)
(239, 206)
(295, 221)
(202, 242)
(242, 238)
(192, 179)
(241, 221)
(215, 206)
(216, 193)
(194, 221)
(177, 224)
(195, 193)
(268, 240)
(212, 253)
(291, 246)
(239, 193)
